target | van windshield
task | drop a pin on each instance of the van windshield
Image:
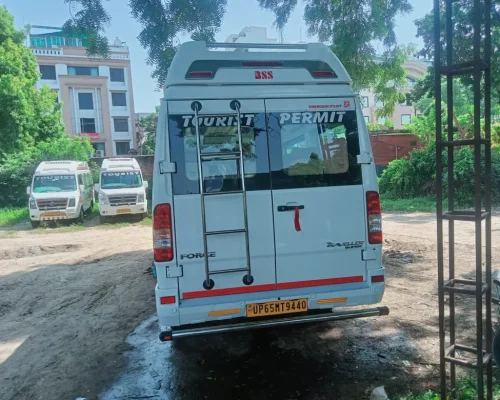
(120, 180)
(54, 183)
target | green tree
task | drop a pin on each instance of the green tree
(27, 114)
(350, 26)
(463, 33)
(148, 125)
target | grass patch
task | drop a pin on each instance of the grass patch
(417, 204)
(12, 216)
(46, 228)
(147, 221)
(466, 390)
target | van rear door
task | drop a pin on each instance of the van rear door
(223, 209)
(318, 197)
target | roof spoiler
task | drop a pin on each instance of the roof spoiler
(298, 46)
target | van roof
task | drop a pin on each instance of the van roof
(63, 166)
(113, 164)
(196, 63)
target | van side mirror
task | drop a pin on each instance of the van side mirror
(96, 187)
(28, 190)
(146, 184)
(82, 187)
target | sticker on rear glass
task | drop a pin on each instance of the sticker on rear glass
(318, 117)
(245, 120)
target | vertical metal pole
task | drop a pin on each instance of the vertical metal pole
(478, 195)
(200, 177)
(243, 189)
(451, 187)
(439, 193)
(487, 194)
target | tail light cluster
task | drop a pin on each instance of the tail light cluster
(163, 240)
(374, 215)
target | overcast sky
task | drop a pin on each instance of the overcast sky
(239, 14)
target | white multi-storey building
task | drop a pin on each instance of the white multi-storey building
(415, 69)
(97, 94)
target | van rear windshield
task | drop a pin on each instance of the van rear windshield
(284, 150)
(311, 149)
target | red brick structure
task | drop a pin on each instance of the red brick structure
(392, 146)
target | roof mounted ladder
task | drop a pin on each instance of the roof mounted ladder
(238, 157)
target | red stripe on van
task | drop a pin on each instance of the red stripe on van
(265, 288)
(320, 282)
(228, 291)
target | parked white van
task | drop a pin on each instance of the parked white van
(284, 225)
(60, 190)
(121, 188)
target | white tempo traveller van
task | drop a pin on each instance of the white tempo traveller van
(121, 188)
(60, 190)
(266, 204)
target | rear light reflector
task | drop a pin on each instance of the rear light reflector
(219, 313)
(261, 63)
(324, 74)
(167, 300)
(378, 278)
(374, 215)
(200, 74)
(163, 241)
(333, 301)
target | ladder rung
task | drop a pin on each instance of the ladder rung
(449, 286)
(465, 362)
(463, 68)
(463, 215)
(465, 142)
(222, 193)
(227, 271)
(222, 154)
(225, 232)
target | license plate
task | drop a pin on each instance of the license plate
(53, 214)
(124, 211)
(277, 307)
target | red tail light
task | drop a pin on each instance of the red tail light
(200, 74)
(378, 278)
(324, 74)
(374, 214)
(167, 300)
(163, 241)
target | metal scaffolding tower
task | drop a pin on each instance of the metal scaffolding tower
(479, 288)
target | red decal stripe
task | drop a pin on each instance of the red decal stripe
(228, 291)
(320, 282)
(268, 287)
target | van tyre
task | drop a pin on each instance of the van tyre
(102, 219)
(35, 224)
(209, 285)
(248, 281)
(81, 217)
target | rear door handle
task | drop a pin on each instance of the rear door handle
(289, 208)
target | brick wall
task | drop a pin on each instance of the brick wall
(146, 163)
(391, 146)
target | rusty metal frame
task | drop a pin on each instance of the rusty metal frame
(475, 288)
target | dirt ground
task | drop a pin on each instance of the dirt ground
(68, 302)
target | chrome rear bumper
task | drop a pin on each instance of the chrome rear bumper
(168, 335)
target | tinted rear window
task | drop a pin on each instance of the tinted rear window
(219, 134)
(311, 149)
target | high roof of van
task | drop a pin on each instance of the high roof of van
(199, 63)
(61, 167)
(119, 163)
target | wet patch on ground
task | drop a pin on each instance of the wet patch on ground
(333, 360)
